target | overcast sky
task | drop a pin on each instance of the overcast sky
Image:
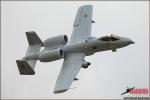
(110, 72)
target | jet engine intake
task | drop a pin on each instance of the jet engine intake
(51, 55)
(85, 64)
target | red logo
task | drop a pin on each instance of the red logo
(136, 93)
(143, 91)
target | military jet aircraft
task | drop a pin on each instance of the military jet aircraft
(81, 44)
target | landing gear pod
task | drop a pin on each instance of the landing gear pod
(85, 64)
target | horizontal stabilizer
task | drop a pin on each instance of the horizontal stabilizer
(24, 67)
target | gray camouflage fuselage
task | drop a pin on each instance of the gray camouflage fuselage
(93, 45)
(88, 47)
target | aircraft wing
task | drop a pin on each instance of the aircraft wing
(71, 66)
(82, 24)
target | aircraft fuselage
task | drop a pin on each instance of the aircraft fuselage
(93, 45)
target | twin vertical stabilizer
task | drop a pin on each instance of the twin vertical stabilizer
(26, 66)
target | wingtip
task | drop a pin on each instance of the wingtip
(60, 91)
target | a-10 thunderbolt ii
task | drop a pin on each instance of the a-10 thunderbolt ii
(81, 44)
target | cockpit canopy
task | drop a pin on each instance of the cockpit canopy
(109, 38)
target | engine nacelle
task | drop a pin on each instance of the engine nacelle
(56, 41)
(85, 64)
(50, 55)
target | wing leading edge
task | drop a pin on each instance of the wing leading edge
(71, 66)
(73, 61)
(82, 24)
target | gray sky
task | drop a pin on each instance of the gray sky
(110, 72)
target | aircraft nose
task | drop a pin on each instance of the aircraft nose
(127, 41)
(131, 42)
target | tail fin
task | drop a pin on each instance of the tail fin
(26, 65)
(33, 38)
